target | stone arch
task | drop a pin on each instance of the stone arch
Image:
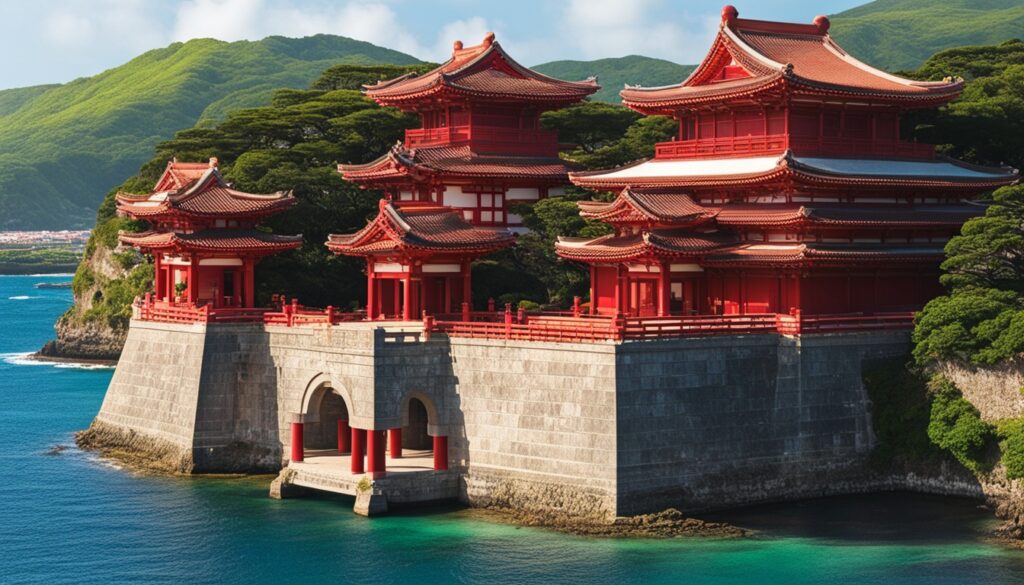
(433, 415)
(314, 393)
(322, 406)
(420, 420)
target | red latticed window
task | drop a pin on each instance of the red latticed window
(490, 206)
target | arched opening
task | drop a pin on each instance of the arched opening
(325, 410)
(414, 432)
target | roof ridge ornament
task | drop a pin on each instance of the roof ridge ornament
(822, 22)
(729, 15)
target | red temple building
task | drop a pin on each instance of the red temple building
(203, 235)
(789, 187)
(449, 185)
(420, 251)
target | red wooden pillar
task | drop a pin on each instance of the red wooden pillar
(407, 301)
(395, 443)
(190, 279)
(440, 453)
(358, 446)
(593, 289)
(467, 284)
(344, 436)
(249, 288)
(371, 293)
(158, 275)
(297, 446)
(620, 307)
(664, 290)
(375, 461)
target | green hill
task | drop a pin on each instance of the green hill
(614, 73)
(63, 147)
(902, 34)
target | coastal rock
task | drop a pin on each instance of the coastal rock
(81, 334)
(135, 449)
(84, 341)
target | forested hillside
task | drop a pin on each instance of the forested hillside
(63, 147)
(902, 34)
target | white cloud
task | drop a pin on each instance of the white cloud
(227, 20)
(613, 28)
(128, 23)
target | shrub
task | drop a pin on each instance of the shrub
(901, 408)
(1012, 447)
(956, 426)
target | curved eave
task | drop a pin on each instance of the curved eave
(152, 241)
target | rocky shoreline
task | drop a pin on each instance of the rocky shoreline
(670, 523)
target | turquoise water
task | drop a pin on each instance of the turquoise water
(71, 518)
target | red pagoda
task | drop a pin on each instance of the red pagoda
(788, 189)
(449, 184)
(203, 235)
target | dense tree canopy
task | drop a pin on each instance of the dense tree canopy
(980, 319)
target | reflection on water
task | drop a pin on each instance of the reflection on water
(70, 517)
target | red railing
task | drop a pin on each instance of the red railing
(777, 143)
(568, 326)
(730, 145)
(511, 140)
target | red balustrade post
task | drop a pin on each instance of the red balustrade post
(576, 307)
(297, 446)
(376, 465)
(428, 326)
(358, 447)
(521, 315)
(344, 436)
(440, 453)
(465, 312)
(508, 320)
(206, 313)
(395, 442)
(330, 314)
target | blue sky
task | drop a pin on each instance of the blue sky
(53, 41)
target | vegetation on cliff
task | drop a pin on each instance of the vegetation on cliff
(62, 146)
(901, 34)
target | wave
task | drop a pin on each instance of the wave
(20, 298)
(26, 359)
(64, 274)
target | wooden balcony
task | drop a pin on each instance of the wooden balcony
(487, 139)
(737, 146)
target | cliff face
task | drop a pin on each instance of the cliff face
(998, 394)
(106, 282)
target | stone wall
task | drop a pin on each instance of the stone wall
(594, 429)
(715, 422)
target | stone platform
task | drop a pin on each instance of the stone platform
(409, 479)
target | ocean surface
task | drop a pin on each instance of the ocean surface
(69, 517)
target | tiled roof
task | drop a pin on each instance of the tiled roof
(635, 206)
(419, 226)
(803, 57)
(845, 215)
(814, 170)
(815, 253)
(658, 243)
(486, 71)
(209, 196)
(458, 161)
(217, 240)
